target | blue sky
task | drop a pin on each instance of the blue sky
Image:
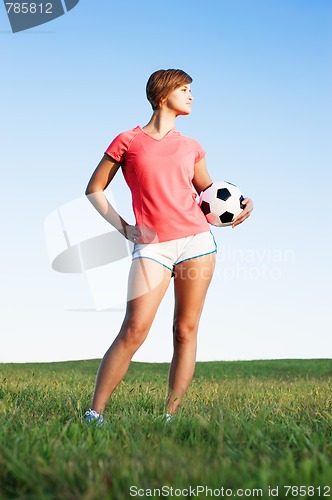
(262, 110)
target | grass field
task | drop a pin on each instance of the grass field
(245, 429)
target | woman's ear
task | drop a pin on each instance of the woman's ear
(162, 102)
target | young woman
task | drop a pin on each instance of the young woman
(164, 171)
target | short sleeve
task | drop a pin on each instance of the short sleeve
(118, 147)
(199, 152)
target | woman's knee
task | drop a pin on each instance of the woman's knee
(184, 332)
(133, 333)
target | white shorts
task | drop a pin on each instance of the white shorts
(173, 252)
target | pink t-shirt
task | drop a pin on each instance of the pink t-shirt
(159, 173)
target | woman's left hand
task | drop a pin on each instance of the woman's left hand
(247, 202)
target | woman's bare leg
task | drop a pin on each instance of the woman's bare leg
(191, 282)
(148, 282)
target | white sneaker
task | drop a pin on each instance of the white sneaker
(92, 417)
(169, 417)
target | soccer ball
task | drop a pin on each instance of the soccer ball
(221, 203)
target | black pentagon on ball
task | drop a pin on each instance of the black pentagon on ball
(205, 206)
(241, 200)
(223, 194)
(226, 217)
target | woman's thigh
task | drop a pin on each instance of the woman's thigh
(147, 283)
(191, 282)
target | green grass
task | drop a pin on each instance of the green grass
(245, 424)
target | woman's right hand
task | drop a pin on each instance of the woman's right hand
(132, 233)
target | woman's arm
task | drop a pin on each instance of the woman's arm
(99, 181)
(201, 179)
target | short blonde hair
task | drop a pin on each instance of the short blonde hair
(162, 82)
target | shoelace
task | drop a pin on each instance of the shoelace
(94, 415)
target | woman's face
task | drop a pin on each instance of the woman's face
(179, 100)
